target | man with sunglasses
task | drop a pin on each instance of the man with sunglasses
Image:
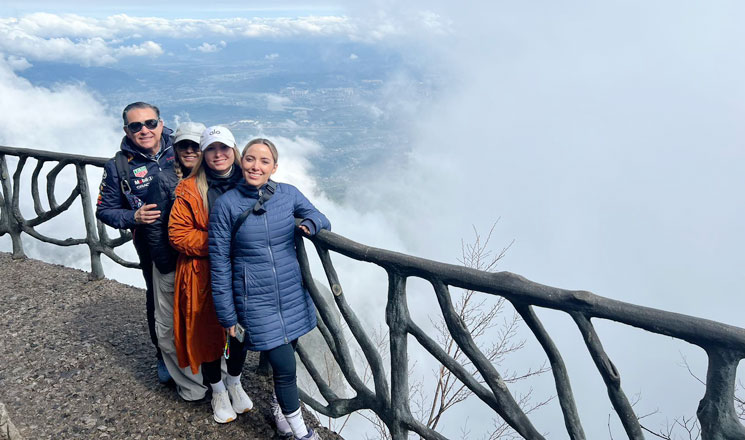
(146, 149)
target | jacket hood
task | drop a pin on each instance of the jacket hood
(166, 142)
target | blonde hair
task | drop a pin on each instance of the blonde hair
(200, 175)
(267, 142)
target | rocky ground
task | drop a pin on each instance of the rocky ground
(77, 363)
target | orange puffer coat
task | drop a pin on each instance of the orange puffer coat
(197, 333)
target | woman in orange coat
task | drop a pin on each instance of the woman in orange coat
(198, 336)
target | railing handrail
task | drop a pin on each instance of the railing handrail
(53, 156)
(516, 288)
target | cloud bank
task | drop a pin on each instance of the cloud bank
(100, 41)
(609, 139)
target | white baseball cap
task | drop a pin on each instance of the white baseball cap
(216, 133)
(188, 131)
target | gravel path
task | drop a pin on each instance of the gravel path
(77, 363)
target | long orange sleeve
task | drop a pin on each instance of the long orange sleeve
(184, 232)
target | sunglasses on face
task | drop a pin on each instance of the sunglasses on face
(134, 127)
(187, 146)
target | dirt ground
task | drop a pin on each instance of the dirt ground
(77, 362)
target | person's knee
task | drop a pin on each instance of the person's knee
(285, 373)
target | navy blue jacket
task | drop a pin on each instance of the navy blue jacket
(261, 286)
(162, 193)
(112, 207)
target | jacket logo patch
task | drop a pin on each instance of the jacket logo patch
(140, 172)
(141, 181)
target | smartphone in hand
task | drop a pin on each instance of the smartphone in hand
(240, 333)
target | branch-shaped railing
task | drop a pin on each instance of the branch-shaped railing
(13, 223)
(724, 344)
(389, 396)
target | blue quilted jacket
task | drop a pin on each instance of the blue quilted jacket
(261, 286)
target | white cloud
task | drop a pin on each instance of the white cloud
(353, 56)
(47, 37)
(52, 119)
(46, 26)
(276, 103)
(208, 48)
(98, 41)
(41, 118)
(148, 48)
(613, 157)
(271, 56)
(434, 21)
(18, 63)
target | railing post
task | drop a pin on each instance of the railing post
(91, 236)
(397, 317)
(716, 411)
(11, 224)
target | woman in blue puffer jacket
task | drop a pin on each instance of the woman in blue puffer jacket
(256, 280)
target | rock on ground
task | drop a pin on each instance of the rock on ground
(8, 431)
(77, 362)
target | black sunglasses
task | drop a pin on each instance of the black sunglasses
(134, 127)
(187, 145)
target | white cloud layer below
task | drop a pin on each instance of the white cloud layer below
(609, 139)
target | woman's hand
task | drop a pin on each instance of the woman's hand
(231, 331)
(305, 230)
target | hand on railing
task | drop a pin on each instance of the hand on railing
(146, 214)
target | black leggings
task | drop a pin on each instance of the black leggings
(211, 370)
(282, 360)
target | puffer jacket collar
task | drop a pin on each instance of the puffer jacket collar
(248, 190)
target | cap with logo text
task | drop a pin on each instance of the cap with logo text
(216, 133)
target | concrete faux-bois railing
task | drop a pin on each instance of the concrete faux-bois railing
(389, 395)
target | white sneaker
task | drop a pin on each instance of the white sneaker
(221, 409)
(283, 427)
(241, 402)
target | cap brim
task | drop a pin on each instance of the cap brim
(187, 137)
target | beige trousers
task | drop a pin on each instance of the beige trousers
(188, 385)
